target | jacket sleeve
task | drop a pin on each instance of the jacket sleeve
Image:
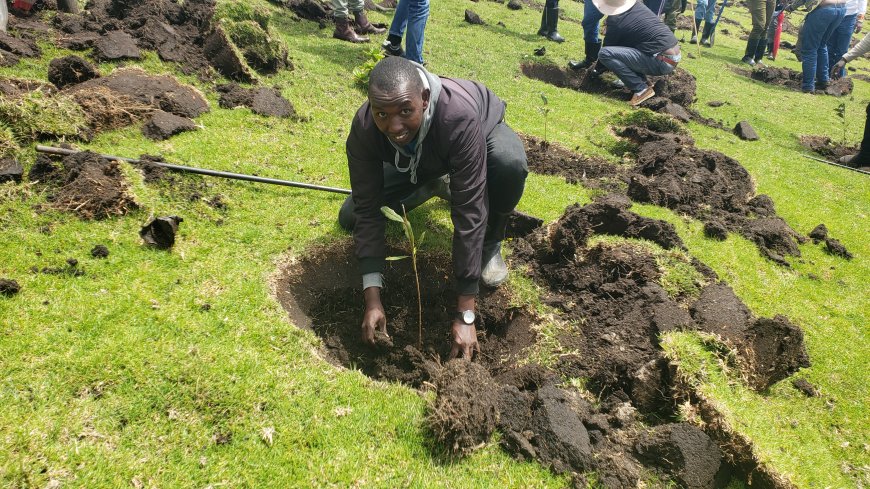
(469, 200)
(367, 185)
(860, 49)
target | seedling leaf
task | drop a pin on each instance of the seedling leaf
(391, 214)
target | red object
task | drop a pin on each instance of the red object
(778, 34)
(23, 4)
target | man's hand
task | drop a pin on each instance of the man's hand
(859, 23)
(374, 318)
(464, 342)
(837, 68)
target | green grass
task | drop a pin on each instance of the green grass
(122, 377)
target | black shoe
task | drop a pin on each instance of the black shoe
(391, 49)
(579, 65)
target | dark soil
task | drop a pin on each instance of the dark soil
(162, 92)
(464, 388)
(9, 287)
(791, 79)
(827, 148)
(70, 70)
(10, 170)
(805, 387)
(819, 233)
(116, 46)
(836, 248)
(678, 88)
(227, 60)
(319, 12)
(711, 187)
(100, 251)
(551, 159)
(160, 232)
(164, 125)
(84, 183)
(264, 101)
(611, 290)
(472, 18)
(25, 48)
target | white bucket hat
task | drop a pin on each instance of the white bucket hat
(613, 7)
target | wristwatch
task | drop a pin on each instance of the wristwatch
(466, 317)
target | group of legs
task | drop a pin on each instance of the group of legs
(410, 16)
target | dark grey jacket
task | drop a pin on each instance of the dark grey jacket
(464, 114)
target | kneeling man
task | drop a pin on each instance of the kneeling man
(416, 133)
(637, 43)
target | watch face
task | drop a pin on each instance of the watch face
(468, 317)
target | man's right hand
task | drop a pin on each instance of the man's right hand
(374, 319)
(837, 68)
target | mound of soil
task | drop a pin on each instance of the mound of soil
(100, 251)
(225, 57)
(827, 148)
(711, 187)
(162, 92)
(678, 88)
(791, 79)
(264, 101)
(70, 70)
(548, 158)
(84, 183)
(612, 291)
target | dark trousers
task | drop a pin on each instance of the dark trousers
(506, 170)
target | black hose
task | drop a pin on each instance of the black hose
(199, 171)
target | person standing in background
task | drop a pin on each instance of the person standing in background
(411, 15)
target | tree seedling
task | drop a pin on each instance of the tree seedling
(545, 110)
(840, 110)
(413, 243)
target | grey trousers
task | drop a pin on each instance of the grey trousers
(506, 171)
(340, 7)
(630, 65)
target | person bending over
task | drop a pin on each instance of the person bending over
(636, 44)
(415, 132)
(862, 158)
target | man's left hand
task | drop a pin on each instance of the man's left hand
(464, 342)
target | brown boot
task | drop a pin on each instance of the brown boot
(345, 33)
(363, 26)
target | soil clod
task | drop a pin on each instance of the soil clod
(805, 387)
(472, 18)
(264, 101)
(745, 131)
(100, 251)
(715, 230)
(9, 287)
(164, 125)
(835, 247)
(115, 46)
(10, 170)
(464, 413)
(684, 451)
(160, 232)
(70, 70)
(819, 233)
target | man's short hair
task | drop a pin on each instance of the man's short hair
(394, 73)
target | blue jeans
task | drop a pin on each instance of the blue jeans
(818, 27)
(591, 21)
(411, 14)
(630, 65)
(838, 43)
(705, 10)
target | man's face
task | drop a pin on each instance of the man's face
(399, 114)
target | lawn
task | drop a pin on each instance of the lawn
(181, 369)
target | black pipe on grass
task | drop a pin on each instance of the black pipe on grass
(199, 171)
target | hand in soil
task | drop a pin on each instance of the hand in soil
(374, 319)
(464, 340)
